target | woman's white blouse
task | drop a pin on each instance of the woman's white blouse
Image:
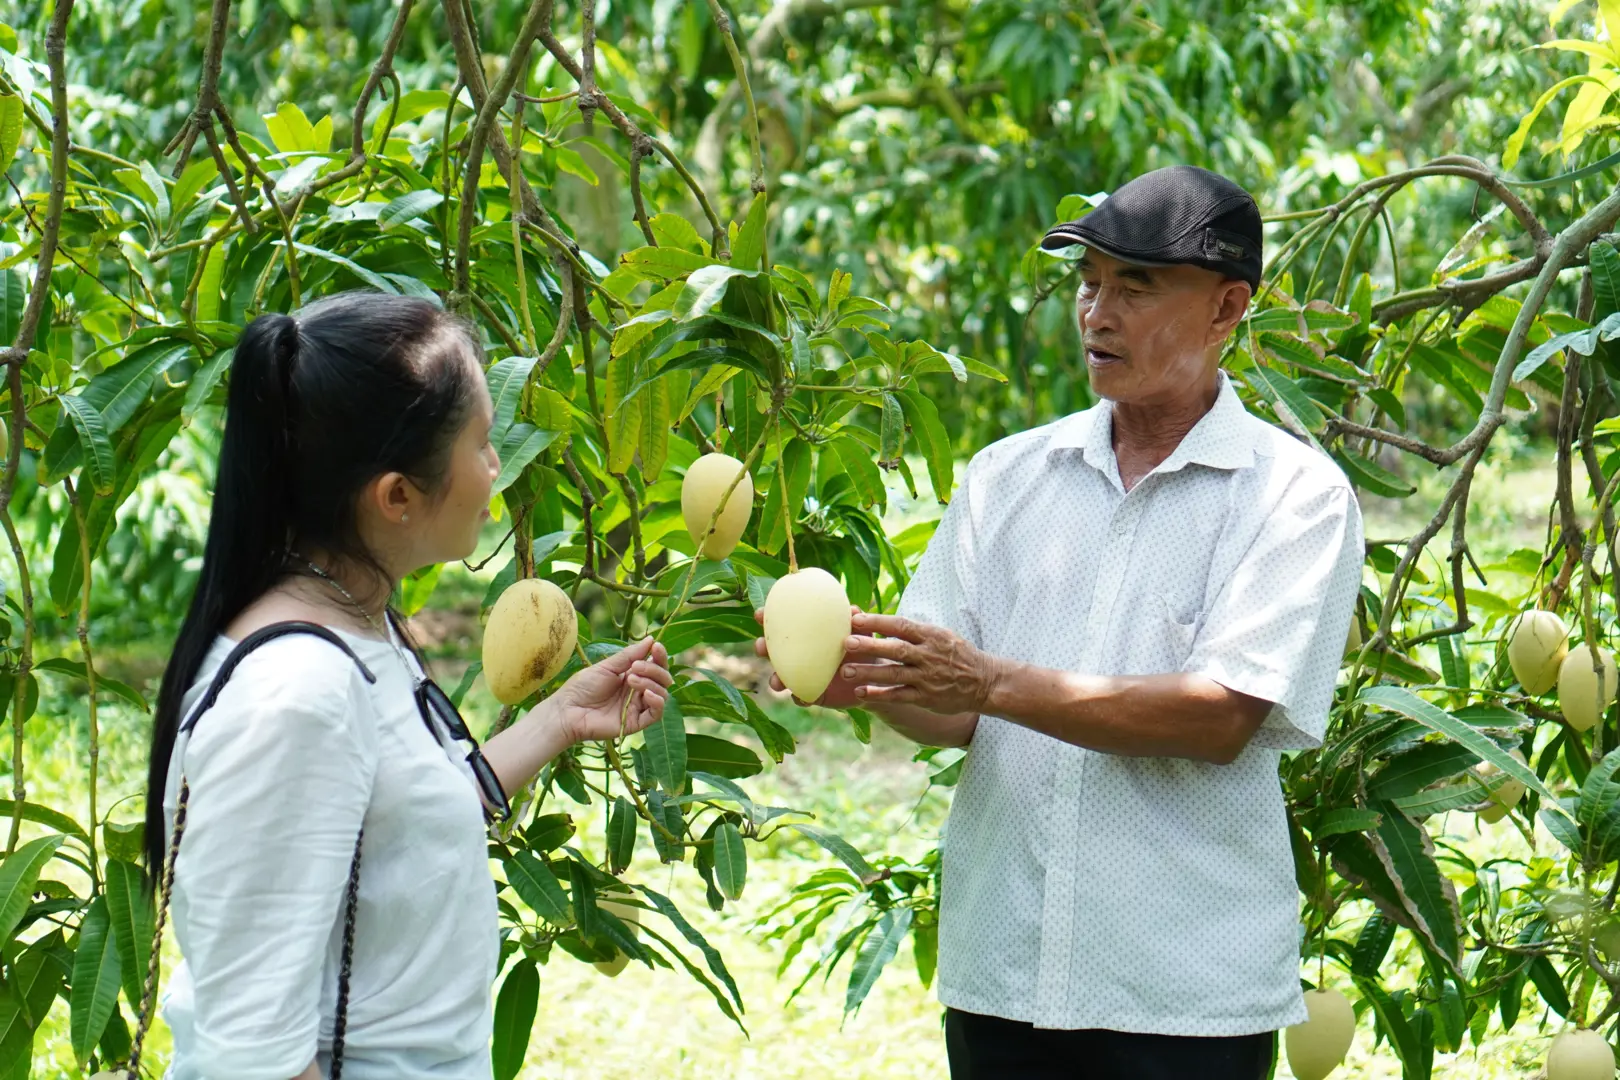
(298, 752)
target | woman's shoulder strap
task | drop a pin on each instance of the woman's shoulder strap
(262, 636)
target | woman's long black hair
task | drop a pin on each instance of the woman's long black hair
(319, 403)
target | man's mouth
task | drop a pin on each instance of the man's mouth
(1099, 357)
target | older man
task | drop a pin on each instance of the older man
(1125, 616)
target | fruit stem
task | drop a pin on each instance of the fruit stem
(787, 516)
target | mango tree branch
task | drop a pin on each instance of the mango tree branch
(539, 16)
(201, 118)
(20, 677)
(50, 231)
(722, 22)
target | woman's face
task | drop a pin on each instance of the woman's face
(456, 515)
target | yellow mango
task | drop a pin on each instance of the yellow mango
(530, 635)
(1581, 695)
(1318, 1046)
(1580, 1055)
(1537, 643)
(806, 621)
(701, 491)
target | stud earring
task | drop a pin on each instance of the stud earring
(404, 519)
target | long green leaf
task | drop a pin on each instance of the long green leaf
(61, 665)
(202, 384)
(370, 277)
(1598, 811)
(705, 288)
(129, 909)
(515, 1007)
(711, 955)
(100, 464)
(875, 953)
(1372, 945)
(840, 848)
(522, 444)
(1400, 700)
(408, 207)
(96, 977)
(748, 251)
(621, 835)
(43, 815)
(784, 501)
(730, 861)
(538, 887)
(19, 873)
(706, 753)
(1408, 855)
(702, 979)
(930, 433)
(11, 128)
(665, 741)
(1605, 263)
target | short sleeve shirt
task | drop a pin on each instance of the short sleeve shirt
(1145, 894)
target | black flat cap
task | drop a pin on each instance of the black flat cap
(1181, 214)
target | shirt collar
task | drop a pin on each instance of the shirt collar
(1217, 440)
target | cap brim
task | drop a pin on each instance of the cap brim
(1068, 235)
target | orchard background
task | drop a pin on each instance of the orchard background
(801, 232)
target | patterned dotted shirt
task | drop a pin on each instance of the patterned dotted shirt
(1090, 890)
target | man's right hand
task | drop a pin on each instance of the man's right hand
(840, 692)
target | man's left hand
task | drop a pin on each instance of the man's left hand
(926, 666)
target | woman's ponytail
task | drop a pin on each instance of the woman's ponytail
(352, 387)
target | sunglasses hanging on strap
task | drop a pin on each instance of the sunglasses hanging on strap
(352, 891)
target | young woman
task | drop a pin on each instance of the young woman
(356, 450)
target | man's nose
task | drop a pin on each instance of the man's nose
(1100, 312)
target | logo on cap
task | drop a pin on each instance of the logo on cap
(1218, 247)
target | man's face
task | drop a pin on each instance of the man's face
(1151, 332)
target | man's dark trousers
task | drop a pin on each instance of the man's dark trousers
(990, 1048)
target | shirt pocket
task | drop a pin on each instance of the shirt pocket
(1181, 626)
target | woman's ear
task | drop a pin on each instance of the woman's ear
(392, 496)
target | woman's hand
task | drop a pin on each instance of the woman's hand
(589, 705)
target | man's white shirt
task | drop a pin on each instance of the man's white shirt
(1090, 890)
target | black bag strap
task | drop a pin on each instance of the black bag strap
(351, 897)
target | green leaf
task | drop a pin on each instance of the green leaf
(862, 470)
(705, 288)
(1605, 264)
(208, 286)
(1291, 350)
(1407, 851)
(1372, 945)
(1279, 389)
(711, 956)
(730, 861)
(19, 873)
(664, 262)
(100, 464)
(520, 446)
(666, 812)
(515, 1009)
(13, 299)
(803, 364)
(573, 162)
(1469, 791)
(96, 977)
(665, 742)
(705, 753)
(61, 665)
(1400, 700)
(839, 848)
(876, 951)
(784, 501)
(621, 835)
(672, 230)
(1598, 812)
(160, 193)
(291, 130)
(506, 379)
(932, 438)
(748, 250)
(11, 129)
(1368, 474)
(1346, 820)
(1584, 342)
(714, 354)
(202, 384)
(43, 815)
(1418, 768)
(375, 280)
(408, 208)
(538, 887)
(16, 1033)
(1551, 987)
(129, 910)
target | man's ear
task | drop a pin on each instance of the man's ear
(1231, 303)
